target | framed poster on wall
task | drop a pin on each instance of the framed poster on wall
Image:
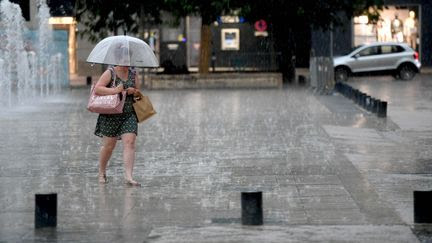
(230, 39)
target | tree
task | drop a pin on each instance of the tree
(283, 17)
(99, 18)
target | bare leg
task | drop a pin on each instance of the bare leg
(108, 146)
(129, 156)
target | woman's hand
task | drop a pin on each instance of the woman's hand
(119, 88)
(131, 90)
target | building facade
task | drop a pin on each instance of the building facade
(241, 46)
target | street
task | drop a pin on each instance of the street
(329, 170)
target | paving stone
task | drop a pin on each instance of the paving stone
(328, 170)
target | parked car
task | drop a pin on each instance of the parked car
(397, 59)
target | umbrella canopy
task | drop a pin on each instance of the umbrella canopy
(123, 50)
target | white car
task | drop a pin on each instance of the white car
(397, 58)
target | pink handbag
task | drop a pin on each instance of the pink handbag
(106, 104)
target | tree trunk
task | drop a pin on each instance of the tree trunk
(142, 21)
(205, 48)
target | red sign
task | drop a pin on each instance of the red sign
(261, 25)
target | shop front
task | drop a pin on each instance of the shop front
(397, 23)
(403, 21)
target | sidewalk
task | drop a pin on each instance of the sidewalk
(328, 170)
(426, 70)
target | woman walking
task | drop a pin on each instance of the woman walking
(123, 52)
(114, 127)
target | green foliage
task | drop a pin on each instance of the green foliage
(322, 13)
(101, 18)
(209, 10)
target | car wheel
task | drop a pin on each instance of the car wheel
(395, 74)
(341, 74)
(406, 72)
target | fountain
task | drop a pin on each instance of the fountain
(29, 68)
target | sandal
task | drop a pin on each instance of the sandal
(102, 178)
(132, 183)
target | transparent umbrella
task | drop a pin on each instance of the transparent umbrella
(123, 50)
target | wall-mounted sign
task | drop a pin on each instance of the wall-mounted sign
(230, 39)
(261, 33)
(172, 46)
(260, 25)
(228, 19)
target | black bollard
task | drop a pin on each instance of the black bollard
(89, 80)
(252, 211)
(344, 89)
(349, 92)
(375, 105)
(382, 109)
(337, 86)
(355, 95)
(422, 207)
(358, 96)
(361, 100)
(301, 79)
(45, 210)
(367, 103)
(372, 104)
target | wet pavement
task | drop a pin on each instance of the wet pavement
(329, 170)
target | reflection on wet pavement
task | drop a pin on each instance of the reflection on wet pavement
(328, 170)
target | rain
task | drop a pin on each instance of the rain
(329, 170)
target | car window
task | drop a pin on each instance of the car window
(396, 49)
(386, 49)
(373, 50)
(352, 49)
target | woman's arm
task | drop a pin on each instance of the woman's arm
(137, 81)
(104, 80)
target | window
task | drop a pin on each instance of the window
(396, 23)
(386, 49)
(374, 50)
(396, 49)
